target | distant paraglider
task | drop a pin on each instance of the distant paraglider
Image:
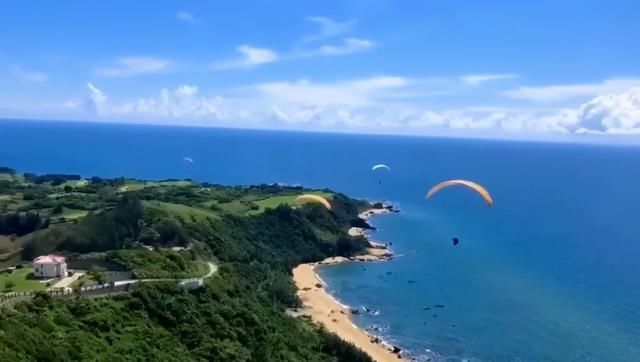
(380, 166)
(456, 241)
(313, 198)
(468, 184)
(188, 159)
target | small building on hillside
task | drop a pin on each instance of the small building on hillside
(50, 266)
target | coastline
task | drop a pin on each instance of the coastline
(325, 310)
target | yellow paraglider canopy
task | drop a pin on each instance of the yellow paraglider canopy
(468, 184)
(313, 198)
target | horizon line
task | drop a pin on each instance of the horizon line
(578, 139)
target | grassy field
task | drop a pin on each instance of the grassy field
(184, 211)
(135, 185)
(167, 183)
(13, 202)
(71, 214)
(6, 177)
(74, 183)
(7, 245)
(23, 280)
(199, 268)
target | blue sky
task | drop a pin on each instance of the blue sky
(488, 68)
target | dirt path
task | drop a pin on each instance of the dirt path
(66, 282)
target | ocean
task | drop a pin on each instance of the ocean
(550, 273)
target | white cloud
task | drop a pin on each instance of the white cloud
(328, 28)
(251, 56)
(612, 113)
(356, 105)
(476, 79)
(29, 75)
(132, 66)
(350, 45)
(186, 17)
(96, 95)
(564, 92)
(183, 103)
(95, 104)
(257, 55)
(353, 93)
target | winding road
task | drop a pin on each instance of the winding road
(212, 270)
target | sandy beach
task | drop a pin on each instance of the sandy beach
(325, 310)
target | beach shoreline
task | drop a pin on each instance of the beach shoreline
(325, 310)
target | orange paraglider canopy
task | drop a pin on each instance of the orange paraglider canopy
(313, 198)
(480, 190)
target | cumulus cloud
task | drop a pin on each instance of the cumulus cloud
(554, 93)
(186, 17)
(613, 113)
(132, 66)
(328, 28)
(29, 75)
(476, 79)
(250, 57)
(182, 103)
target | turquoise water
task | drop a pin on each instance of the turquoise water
(550, 273)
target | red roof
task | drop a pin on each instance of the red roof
(49, 259)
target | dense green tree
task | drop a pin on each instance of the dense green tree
(238, 315)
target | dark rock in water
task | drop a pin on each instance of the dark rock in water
(411, 281)
(439, 305)
(390, 243)
(396, 349)
(426, 308)
(363, 268)
(453, 325)
(355, 311)
(456, 241)
(435, 315)
(318, 285)
(388, 273)
(360, 223)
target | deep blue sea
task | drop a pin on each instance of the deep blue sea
(550, 273)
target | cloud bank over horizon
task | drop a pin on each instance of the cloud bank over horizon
(384, 71)
(383, 104)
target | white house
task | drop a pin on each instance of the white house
(50, 266)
